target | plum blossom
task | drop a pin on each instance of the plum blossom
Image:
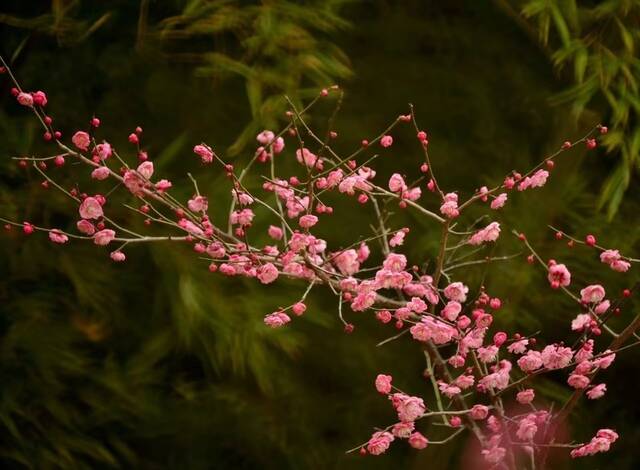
(386, 141)
(418, 441)
(559, 276)
(276, 319)
(81, 140)
(267, 273)
(198, 204)
(383, 383)
(379, 442)
(100, 173)
(592, 294)
(86, 227)
(104, 237)
(488, 234)
(614, 260)
(204, 152)
(556, 357)
(409, 408)
(456, 291)
(347, 262)
(525, 396)
(499, 201)
(90, 208)
(403, 430)
(56, 236)
(449, 207)
(597, 391)
(530, 361)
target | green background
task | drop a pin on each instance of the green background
(156, 363)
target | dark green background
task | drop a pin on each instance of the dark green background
(156, 363)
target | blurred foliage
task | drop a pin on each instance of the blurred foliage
(599, 43)
(279, 47)
(156, 363)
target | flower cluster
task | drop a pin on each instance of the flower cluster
(474, 372)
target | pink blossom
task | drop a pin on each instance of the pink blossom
(117, 256)
(90, 208)
(556, 357)
(403, 430)
(267, 273)
(395, 262)
(518, 347)
(603, 362)
(243, 217)
(449, 390)
(581, 322)
(347, 262)
(530, 361)
(525, 396)
(464, 381)
(308, 221)
(494, 455)
(383, 383)
(25, 99)
(488, 354)
(163, 185)
(265, 137)
(578, 381)
(488, 234)
(39, 98)
(145, 169)
(298, 308)
(100, 173)
(559, 276)
(397, 239)
(449, 207)
(306, 157)
(620, 266)
(451, 310)
(56, 236)
(379, 442)
(537, 180)
(397, 184)
(81, 140)
(592, 294)
(104, 237)
(278, 145)
(499, 379)
(86, 227)
(609, 256)
(418, 441)
(417, 305)
(602, 307)
(410, 408)
(499, 201)
(134, 182)
(614, 260)
(386, 141)
(204, 152)
(198, 204)
(275, 232)
(412, 194)
(276, 319)
(241, 197)
(527, 429)
(479, 412)
(456, 291)
(103, 150)
(190, 227)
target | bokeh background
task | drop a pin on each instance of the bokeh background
(156, 363)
